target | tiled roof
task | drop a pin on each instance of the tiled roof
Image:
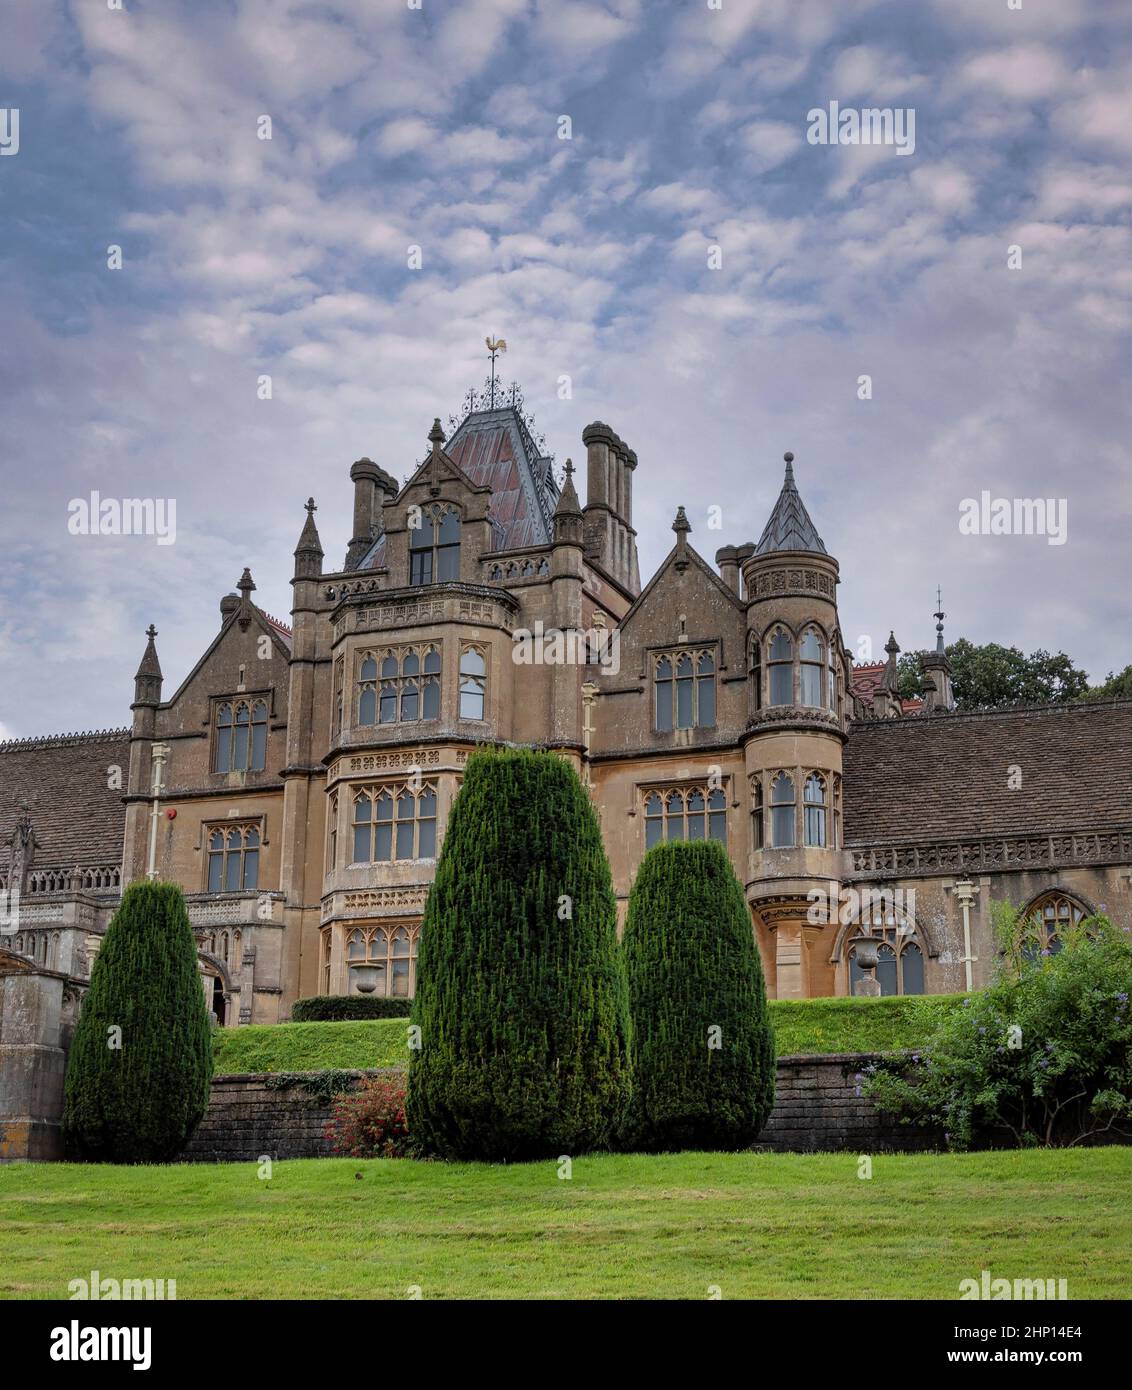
(78, 818)
(789, 526)
(493, 448)
(865, 680)
(948, 775)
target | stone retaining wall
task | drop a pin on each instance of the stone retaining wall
(816, 1109)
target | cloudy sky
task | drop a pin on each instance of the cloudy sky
(440, 127)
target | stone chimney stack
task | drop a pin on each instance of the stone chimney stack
(372, 488)
(611, 541)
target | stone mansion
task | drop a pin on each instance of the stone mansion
(297, 781)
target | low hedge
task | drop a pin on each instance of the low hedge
(337, 1008)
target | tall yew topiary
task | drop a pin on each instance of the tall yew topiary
(141, 1060)
(703, 1049)
(521, 998)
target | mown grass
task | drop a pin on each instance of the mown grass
(806, 1025)
(624, 1226)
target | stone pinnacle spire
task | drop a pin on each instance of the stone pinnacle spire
(789, 526)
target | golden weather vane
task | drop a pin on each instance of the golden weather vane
(494, 346)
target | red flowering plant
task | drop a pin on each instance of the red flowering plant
(370, 1122)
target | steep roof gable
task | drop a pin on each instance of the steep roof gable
(789, 526)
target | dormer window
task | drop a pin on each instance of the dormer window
(434, 547)
(241, 737)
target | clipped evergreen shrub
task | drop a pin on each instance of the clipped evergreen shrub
(141, 1059)
(703, 1049)
(521, 998)
(333, 1008)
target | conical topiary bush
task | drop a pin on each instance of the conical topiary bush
(141, 1059)
(703, 1049)
(521, 998)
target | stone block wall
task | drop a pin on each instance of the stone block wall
(816, 1109)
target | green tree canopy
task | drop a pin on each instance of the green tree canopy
(140, 1065)
(992, 676)
(521, 997)
(703, 1049)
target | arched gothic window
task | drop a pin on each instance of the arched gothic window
(473, 684)
(780, 664)
(241, 736)
(434, 546)
(233, 859)
(690, 813)
(394, 823)
(684, 690)
(404, 689)
(814, 799)
(392, 953)
(757, 831)
(900, 963)
(756, 677)
(1053, 913)
(811, 654)
(782, 811)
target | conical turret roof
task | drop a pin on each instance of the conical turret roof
(789, 526)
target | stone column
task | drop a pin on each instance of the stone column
(33, 1060)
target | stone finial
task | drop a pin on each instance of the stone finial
(147, 678)
(246, 586)
(681, 526)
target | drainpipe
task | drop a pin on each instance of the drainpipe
(160, 753)
(965, 891)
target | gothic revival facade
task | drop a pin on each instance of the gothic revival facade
(298, 781)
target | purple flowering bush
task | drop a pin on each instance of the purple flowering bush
(1044, 1052)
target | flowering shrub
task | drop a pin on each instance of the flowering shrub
(1045, 1052)
(370, 1122)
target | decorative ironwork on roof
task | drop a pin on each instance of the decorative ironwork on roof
(789, 526)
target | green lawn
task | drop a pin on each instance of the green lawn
(755, 1225)
(807, 1025)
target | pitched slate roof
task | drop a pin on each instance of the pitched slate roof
(789, 526)
(865, 680)
(946, 775)
(494, 448)
(77, 817)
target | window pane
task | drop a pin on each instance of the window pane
(912, 968)
(224, 750)
(409, 702)
(664, 669)
(421, 537)
(388, 705)
(810, 649)
(471, 701)
(449, 533)
(781, 680)
(232, 874)
(361, 844)
(705, 714)
(400, 978)
(356, 947)
(432, 699)
(215, 865)
(240, 755)
(432, 662)
(780, 647)
(420, 567)
(259, 747)
(251, 839)
(471, 664)
(251, 871)
(652, 831)
(664, 706)
(684, 704)
(384, 807)
(404, 839)
(383, 842)
(717, 826)
(815, 826)
(426, 840)
(411, 665)
(378, 946)
(447, 564)
(369, 669)
(886, 969)
(367, 707)
(782, 825)
(811, 684)
(362, 808)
